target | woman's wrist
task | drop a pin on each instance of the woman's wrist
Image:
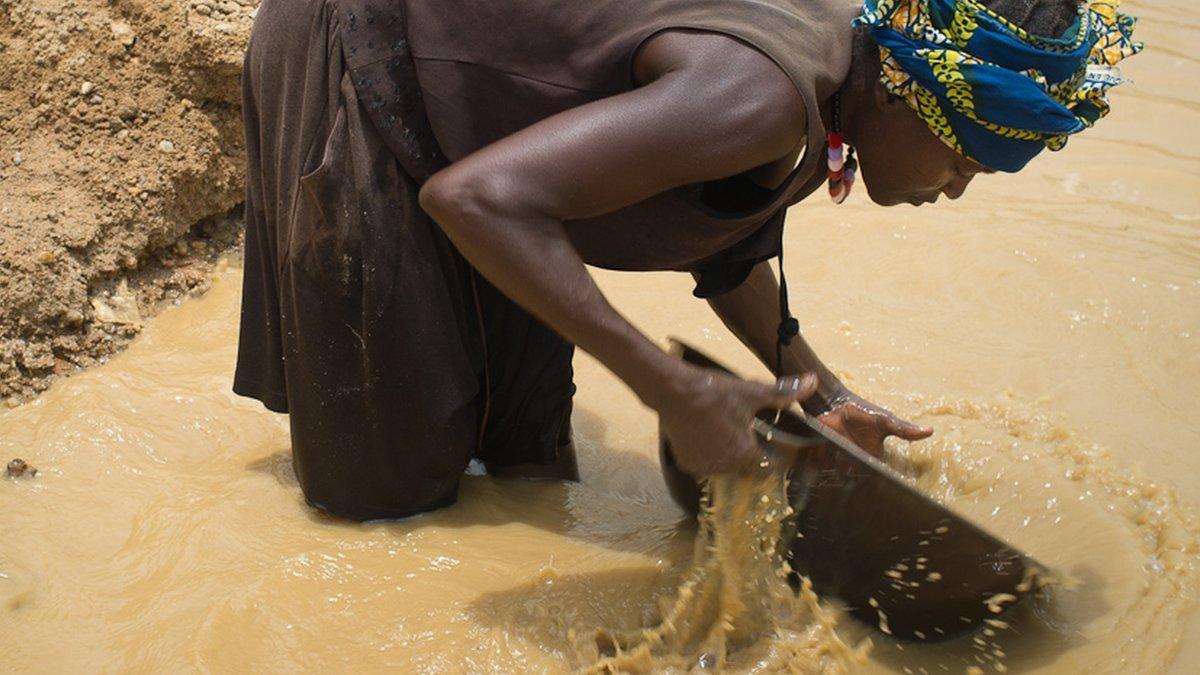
(829, 387)
(830, 393)
(832, 389)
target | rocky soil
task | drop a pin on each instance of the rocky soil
(120, 170)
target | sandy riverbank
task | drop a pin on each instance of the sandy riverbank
(120, 154)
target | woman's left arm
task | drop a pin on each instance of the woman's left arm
(751, 312)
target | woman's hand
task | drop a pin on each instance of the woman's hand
(708, 418)
(867, 424)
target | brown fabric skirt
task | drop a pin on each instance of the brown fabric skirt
(396, 362)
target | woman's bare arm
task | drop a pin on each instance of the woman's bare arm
(711, 107)
(751, 312)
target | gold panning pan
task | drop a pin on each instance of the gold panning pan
(898, 560)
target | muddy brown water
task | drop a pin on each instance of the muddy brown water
(1047, 325)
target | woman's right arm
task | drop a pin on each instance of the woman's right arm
(711, 107)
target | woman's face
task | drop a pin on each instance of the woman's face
(901, 160)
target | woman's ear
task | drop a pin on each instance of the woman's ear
(883, 98)
(866, 70)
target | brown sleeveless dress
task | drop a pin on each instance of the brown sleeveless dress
(397, 363)
(488, 68)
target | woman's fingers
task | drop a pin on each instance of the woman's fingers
(858, 418)
(907, 430)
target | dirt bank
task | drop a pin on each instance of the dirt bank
(120, 154)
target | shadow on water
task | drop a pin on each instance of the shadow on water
(545, 613)
(621, 505)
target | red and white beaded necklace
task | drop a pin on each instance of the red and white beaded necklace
(843, 167)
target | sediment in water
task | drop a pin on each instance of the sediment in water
(735, 608)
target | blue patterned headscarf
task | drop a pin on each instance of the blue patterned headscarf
(991, 90)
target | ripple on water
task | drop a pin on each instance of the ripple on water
(1126, 546)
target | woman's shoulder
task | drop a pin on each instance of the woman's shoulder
(730, 75)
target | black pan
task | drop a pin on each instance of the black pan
(898, 560)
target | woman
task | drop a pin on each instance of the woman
(425, 178)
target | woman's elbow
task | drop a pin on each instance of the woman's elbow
(458, 202)
(439, 195)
